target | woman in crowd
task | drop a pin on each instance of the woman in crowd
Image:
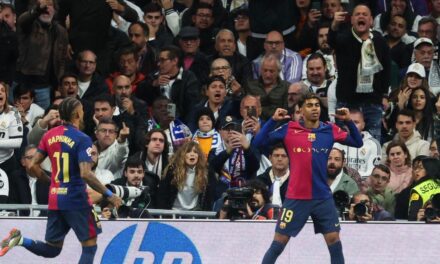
(421, 103)
(399, 162)
(399, 98)
(11, 132)
(426, 185)
(186, 180)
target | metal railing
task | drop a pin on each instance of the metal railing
(14, 210)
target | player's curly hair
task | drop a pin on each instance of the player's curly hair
(179, 169)
(67, 108)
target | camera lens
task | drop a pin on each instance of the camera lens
(360, 209)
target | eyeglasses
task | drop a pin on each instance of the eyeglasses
(105, 131)
(220, 68)
(273, 43)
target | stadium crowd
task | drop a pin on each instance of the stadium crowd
(175, 92)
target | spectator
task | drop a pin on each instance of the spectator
(428, 29)
(159, 35)
(399, 162)
(303, 35)
(11, 132)
(329, 7)
(379, 192)
(365, 158)
(24, 102)
(193, 59)
(8, 43)
(360, 85)
(218, 17)
(113, 152)
(415, 78)
(243, 29)
(126, 101)
(271, 89)
(426, 184)
(324, 49)
(160, 117)
(258, 208)
(216, 101)
(226, 48)
(318, 82)
(206, 134)
(42, 45)
(104, 176)
(147, 62)
(291, 62)
(128, 66)
(397, 7)
(276, 177)
(373, 212)
(421, 103)
(105, 107)
(337, 179)
(203, 20)
(90, 83)
(294, 93)
(395, 40)
(25, 189)
(186, 181)
(221, 67)
(155, 152)
(250, 112)
(237, 161)
(179, 85)
(405, 126)
(136, 175)
(424, 54)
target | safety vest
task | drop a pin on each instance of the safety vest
(427, 189)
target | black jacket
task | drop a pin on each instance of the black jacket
(265, 177)
(241, 66)
(348, 52)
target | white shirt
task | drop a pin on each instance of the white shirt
(11, 134)
(82, 88)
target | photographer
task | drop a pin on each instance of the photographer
(137, 188)
(363, 210)
(250, 202)
(430, 213)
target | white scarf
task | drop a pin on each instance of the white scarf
(368, 65)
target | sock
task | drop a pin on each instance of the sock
(40, 248)
(336, 254)
(88, 254)
(275, 249)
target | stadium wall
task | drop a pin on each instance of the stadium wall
(198, 241)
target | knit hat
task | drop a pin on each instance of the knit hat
(207, 112)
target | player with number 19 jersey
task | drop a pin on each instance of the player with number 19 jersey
(66, 147)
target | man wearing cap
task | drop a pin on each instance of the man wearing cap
(237, 161)
(193, 59)
(424, 54)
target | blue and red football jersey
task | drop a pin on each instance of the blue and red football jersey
(308, 151)
(66, 147)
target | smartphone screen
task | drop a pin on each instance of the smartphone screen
(252, 111)
(316, 4)
(171, 109)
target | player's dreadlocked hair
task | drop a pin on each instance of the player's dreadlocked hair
(67, 107)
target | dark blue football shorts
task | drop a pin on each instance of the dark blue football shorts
(85, 223)
(294, 215)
